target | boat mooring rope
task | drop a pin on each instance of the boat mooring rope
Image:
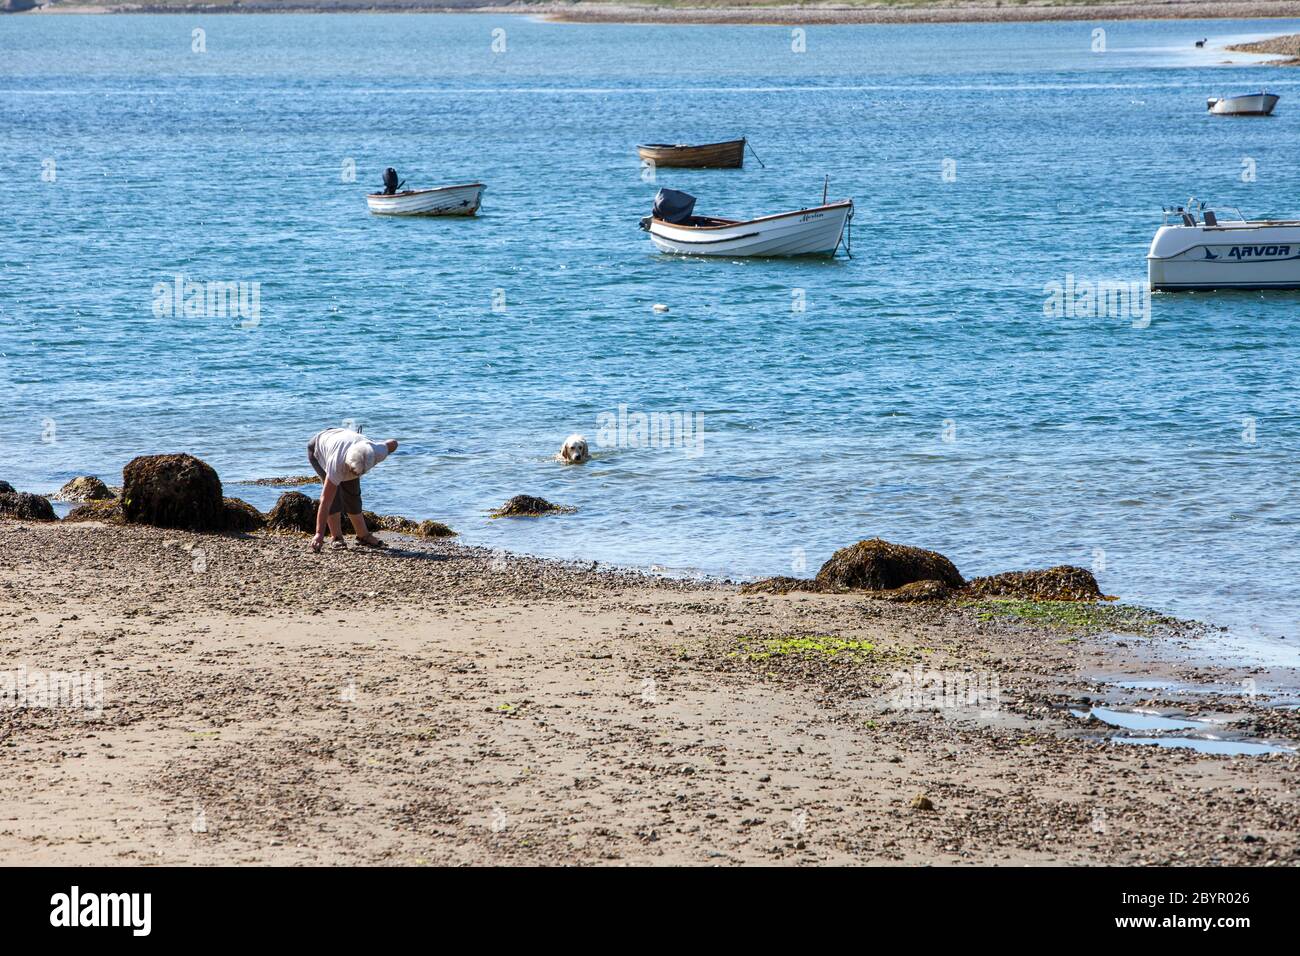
(751, 150)
(848, 235)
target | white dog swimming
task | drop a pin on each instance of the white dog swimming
(574, 451)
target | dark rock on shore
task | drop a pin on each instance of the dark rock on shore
(780, 585)
(172, 491)
(878, 565)
(241, 516)
(1061, 583)
(107, 510)
(294, 511)
(529, 506)
(26, 506)
(434, 529)
(917, 592)
(84, 488)
(6, 488)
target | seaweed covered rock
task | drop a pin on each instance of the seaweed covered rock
(877, 565)
(1061, 583)
(84, 488)
(434, 529)
(529, 506)
(6, 488)
(107, 510)
(918, 592)
(25, 506)
(374, 523)
(172, 491)
(398, 523)
(780, 585)
(293, 511)
(241, 516)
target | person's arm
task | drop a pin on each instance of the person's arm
(327, 492)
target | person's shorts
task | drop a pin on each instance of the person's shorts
(348, 498)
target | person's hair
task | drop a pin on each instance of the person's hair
(360, 458)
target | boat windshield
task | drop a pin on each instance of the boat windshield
(1195, 212)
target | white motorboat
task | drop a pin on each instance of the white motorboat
(674, 228)
(1248, 104)
(460, 200)
(1222, 251)
(443, 201)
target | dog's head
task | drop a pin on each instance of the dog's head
(574, 450)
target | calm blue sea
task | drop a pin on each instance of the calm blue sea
(922, 394)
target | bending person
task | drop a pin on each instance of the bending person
(340, 457)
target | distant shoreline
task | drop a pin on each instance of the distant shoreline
(735, 13)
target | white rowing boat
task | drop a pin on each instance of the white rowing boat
(1249, 104)
(443, 201)
(675, 229)
(1219, 251)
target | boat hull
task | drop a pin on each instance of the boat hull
(444, 201)
(807, 232)
(1256, 255)
(728, 155)
(1256, 104)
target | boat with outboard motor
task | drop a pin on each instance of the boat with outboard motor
(1247, 104)
(674, 228)
(462, 200)
(1222, 251)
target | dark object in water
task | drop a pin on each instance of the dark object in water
(26, 506)
(241, 516)
(528, 506)
(390, 181)
(725, 155)
(1061, 583)
(293, 511)
(878, 565)
(172, 491)
(107, 510)
(85, 488)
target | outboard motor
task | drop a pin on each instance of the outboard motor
(673, 206)
(390, 181)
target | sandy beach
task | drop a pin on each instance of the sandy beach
(942, 11)
(438, 704)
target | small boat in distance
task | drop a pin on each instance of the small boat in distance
(674, 228)
(1248, 104)
(460, 200)
(728, 155)
(1219, 251)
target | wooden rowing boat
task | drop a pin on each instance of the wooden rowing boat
(728, 155)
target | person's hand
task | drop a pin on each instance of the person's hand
(317, 543)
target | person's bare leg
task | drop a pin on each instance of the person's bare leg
(358, 525)
(335, 525)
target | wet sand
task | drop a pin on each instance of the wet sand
(437, 704)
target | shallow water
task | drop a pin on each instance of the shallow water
(922, 395)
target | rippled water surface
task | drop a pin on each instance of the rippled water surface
(921, 395)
